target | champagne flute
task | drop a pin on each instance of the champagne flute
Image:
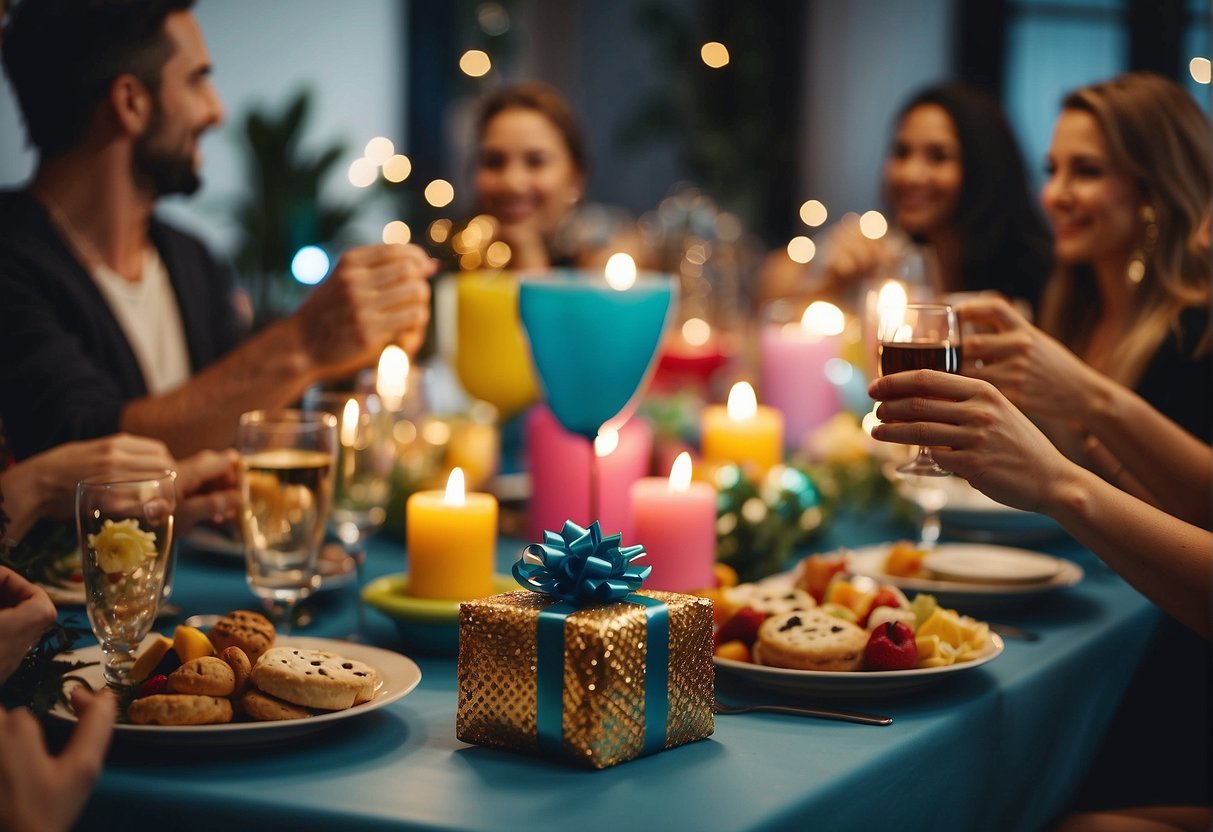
(125, 528)
(287, 467)
(365, 456)
(920, 336)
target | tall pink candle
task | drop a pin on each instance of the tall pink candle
(675, 521)
(794, 357)
(559, 463)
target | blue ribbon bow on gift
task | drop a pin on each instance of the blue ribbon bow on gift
(579, 567)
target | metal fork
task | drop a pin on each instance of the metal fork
(799, 710)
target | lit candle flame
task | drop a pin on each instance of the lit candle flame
(823, 319)
(890, 307)
(620, 271)
(606, 442)
(870, 420)
(392, 377)
(455, 495)
(743, 404)
(680, 472)
(349, 423)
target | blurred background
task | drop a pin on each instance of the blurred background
(761, 105)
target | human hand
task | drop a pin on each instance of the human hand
(375, 295)
(25, 613)
(1036, 372)
(851, 255)
(972, 430)
(41, 792)
(206, 488)
(52, 475)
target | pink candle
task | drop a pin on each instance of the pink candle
(559, 463)
(676, 523)
(793, 378)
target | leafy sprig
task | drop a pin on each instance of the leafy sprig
(41, 556)
(39, 682)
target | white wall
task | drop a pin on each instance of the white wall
(350, 54)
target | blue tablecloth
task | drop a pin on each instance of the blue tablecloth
(998, 747)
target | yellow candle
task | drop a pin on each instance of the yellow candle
(743, 432)
(452, 541)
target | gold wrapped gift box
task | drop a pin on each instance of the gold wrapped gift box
(603, 694)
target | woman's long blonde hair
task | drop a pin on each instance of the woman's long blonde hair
(1159, 137)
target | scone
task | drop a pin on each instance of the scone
(251, 631)
(179, 709)
(769, 600)
(206, 675)
(314, 678)
(264, 708)
(810, 640)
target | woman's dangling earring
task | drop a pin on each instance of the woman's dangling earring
(1136, 270)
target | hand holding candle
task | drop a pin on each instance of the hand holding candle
(743, 432)
(452, 541)
(675, 521)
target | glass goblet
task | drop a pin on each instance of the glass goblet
(365, 458)
(593, 341)
(920, 336)
(287, 467)
(125, 528)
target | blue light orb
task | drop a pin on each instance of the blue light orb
(309, 265)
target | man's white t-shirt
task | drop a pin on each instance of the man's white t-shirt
(148, 314)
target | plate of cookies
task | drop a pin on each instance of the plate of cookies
(851, 637)
(243, 685)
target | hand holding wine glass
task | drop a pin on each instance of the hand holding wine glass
(920, 336)
(126, 537)
(287, 467)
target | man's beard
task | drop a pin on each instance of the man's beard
(168, 170)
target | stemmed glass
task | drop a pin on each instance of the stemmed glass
(920, 336)
(126, 536)
(593, 340)
(365, 456)
(287, 468)
(490, 348)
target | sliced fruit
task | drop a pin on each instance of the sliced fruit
(190, 643)
(743, 626)
(850, 596)
(150, 657)
(816, 572)
(725, 575)
(904, 560)
(736, 650)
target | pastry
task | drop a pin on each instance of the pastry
(179, 709)
(241, 667)
(263, 707)
(251, 631)
(314, 678)
(206, 675)
(770, 600)
(810, 640)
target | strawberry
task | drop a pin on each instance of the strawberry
(891, 647)
(742, 626)
(152, 685)
(885, 597)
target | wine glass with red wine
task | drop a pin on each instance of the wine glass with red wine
(920, 336)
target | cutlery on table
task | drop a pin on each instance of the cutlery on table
(800, 710)
(1011, 631)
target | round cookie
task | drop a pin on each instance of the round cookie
(205, 676)
(179, 709)
(770, 600)
(314, 678)
(810, 640)
(265, 708)
(241, 667)
(251, 631)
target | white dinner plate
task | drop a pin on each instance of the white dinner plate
(398, 676)
(962, 595)
(970, 513)
(853, 684)
(990, 565)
